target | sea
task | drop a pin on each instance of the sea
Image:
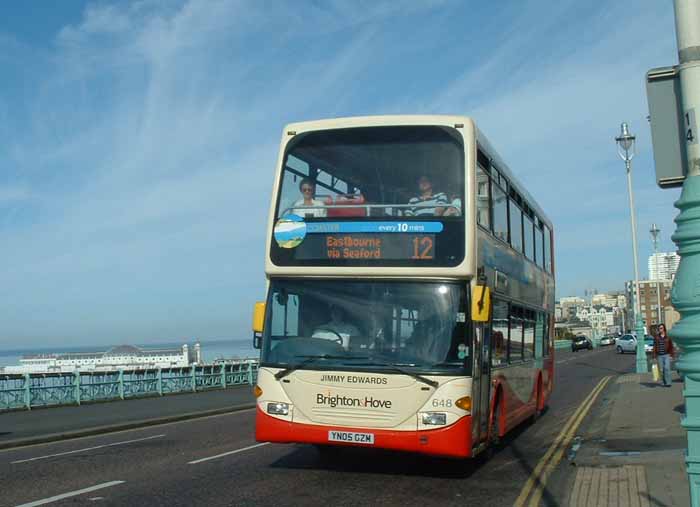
(211, 350)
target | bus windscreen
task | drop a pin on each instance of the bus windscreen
(389, 196)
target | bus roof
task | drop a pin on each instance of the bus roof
(423, 119)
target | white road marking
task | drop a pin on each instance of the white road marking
(227, 453)
(70, 494)
(562, 361)
(88, 449)
(132, 430)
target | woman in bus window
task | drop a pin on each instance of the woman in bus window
(427, 203)
(307, 187)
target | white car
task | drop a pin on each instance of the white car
(628, 343)
(607, 340)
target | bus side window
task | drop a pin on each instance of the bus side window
(516, 226)
(547, 249)
(483, 199)
(529, 336)
(499, 333)
(546, 343)
(539, 335)
(500, 213)
(515, 344)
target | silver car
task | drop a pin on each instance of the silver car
(628, 343)
(607, 340)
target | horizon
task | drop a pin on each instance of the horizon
(138, 345)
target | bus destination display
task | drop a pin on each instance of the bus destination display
(385, 243)
(367, 246)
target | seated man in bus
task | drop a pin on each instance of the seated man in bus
(336, 329)
(454, 209)
(307, 187)
(427, 203)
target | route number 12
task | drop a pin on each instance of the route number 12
(422, 248)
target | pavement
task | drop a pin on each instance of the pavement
(633, 451)
(50, 424)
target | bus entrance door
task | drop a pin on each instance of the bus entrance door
(482, 380)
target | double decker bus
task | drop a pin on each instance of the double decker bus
(410, 290)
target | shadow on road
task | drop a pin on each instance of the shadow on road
(380, 461)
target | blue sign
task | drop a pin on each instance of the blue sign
(373, 227)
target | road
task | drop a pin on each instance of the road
(38, 423)
(216, 461)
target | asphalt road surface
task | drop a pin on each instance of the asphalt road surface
(216, 461)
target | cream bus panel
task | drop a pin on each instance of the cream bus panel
(374, 196)
(363, 400)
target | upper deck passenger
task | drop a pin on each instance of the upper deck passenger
(307, 186)
(427, 203)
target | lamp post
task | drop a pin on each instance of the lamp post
(625, 148)
(684, 296)
(654, 231)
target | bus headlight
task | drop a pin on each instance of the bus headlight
(278, 408)
(434, 418)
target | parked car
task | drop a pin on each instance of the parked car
(607, 340)
(628, 343)
(581, 342)
(648, 343)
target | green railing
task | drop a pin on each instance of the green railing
(50, 389)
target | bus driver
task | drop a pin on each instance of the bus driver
(336, 329)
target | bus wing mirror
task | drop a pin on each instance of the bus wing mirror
(481, 303)
(258, 322)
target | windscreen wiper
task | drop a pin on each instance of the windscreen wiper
(399, 368)
(308, 360)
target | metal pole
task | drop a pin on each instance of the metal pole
(77, 387)
(655, 239)
(121, 384)
(687, 237)
(27, 391)
(642, 366)
(633, 221)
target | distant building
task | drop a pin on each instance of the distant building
(663, 266)
(671, 316)
(652, 315)
(602, 319)
(121, 357)
(568, 307)
(614, 299)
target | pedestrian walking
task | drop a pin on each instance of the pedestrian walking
(663, 352)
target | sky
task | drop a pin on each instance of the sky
(138, 140)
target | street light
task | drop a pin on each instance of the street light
(625, 148)
(654, 231)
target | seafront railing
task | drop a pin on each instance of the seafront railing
(33, 390)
